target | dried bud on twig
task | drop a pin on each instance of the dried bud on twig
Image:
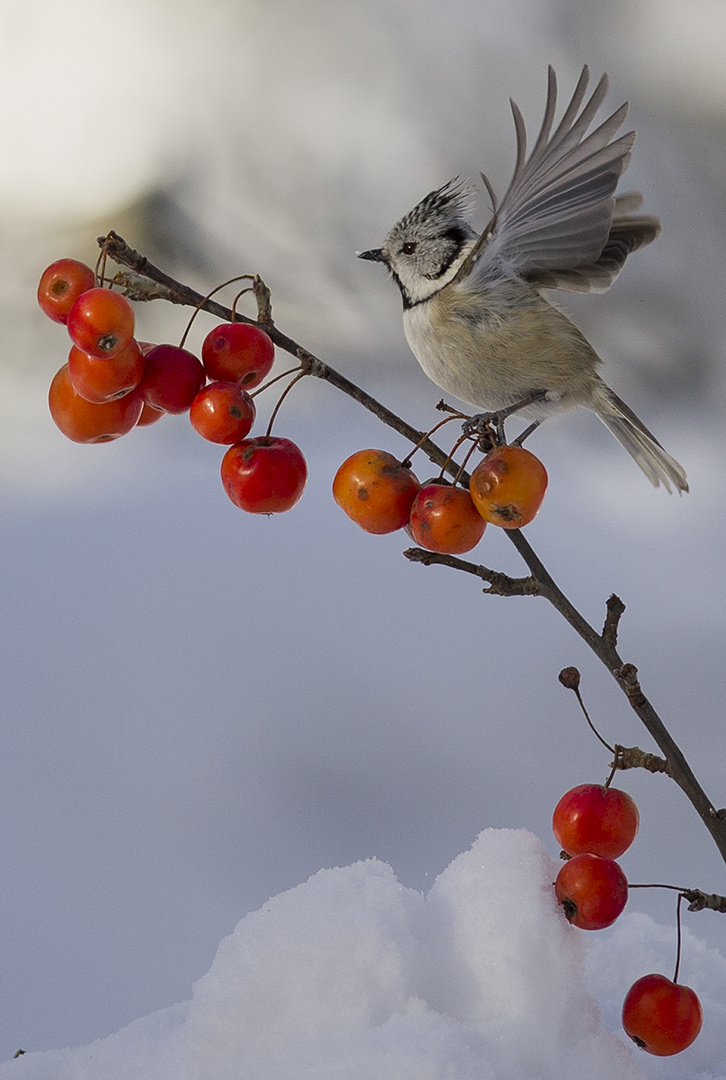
(570, 678)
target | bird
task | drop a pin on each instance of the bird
(474, 313)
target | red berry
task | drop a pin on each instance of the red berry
(661, 1016)
(444, 519)
(149, 415)
(375, 490)
(265, 475)
(222, 412)
(238, 352)
(101, 322)
(172, 378)
(102, 379)
(592, 890)
(592, 817)
(86, 422)
(508, 486)
(60, 286)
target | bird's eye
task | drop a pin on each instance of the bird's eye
(409, 247)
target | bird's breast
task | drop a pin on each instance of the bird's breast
(492, 349)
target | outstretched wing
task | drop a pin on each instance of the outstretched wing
(558, 210)
(628, 232)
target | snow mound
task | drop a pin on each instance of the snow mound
(353, 976)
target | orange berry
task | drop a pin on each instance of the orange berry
(508, 486)
(444, 519)
(375, 490)
(85, 421)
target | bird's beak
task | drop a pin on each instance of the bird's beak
(374, 255)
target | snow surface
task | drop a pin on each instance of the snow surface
(352, 975)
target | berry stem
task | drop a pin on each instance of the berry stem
(276, 378)
(427, 435)
(575, 687)
(679, 937)
(455, 447)
(283, 395)
(204, 300)
(240, 294)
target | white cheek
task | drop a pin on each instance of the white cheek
(416, 286)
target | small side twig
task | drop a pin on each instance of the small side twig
(263, 297)
(632, 757)
(499, 584)
(615, 608)
(699, 901)
(627, 676)
(142, 290)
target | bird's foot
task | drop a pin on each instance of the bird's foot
(488, 424)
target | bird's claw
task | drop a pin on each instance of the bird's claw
(480, 424)
(486, 429)
(485, 425)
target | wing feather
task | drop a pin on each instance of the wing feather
(557, 213)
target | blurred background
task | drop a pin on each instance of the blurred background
(198, 708)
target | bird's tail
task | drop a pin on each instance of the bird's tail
(642, 446)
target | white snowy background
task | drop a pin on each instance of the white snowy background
(207, 717)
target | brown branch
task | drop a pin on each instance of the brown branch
(118, 250)
(538, 583)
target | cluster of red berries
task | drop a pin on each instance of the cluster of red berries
(382, 494)
(595, 825)
(113, 383)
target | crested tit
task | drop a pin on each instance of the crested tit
(473, 310)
